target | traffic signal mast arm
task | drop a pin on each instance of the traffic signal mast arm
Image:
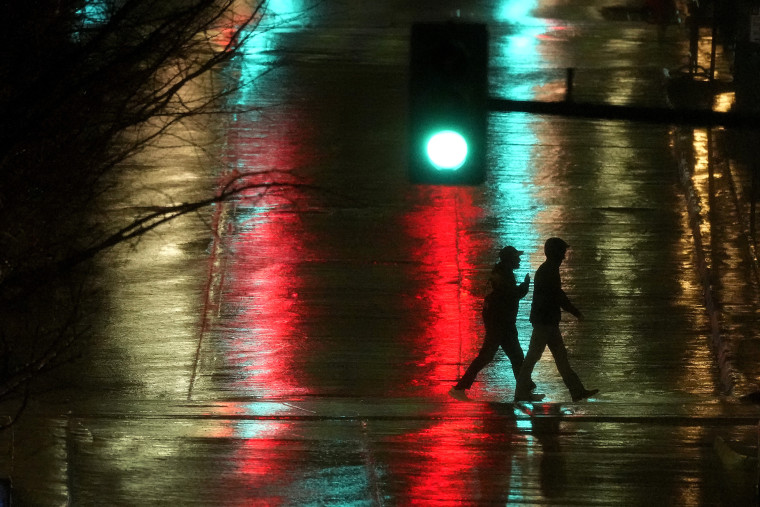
(660, 115)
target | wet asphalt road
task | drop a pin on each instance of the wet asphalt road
(296, 346)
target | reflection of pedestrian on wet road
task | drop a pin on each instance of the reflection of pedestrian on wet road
(545, 313)
(553, 467)
(499, 316)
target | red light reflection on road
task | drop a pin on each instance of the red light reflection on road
(261, 465)
(237, 16)
(260, 329)
(449, 296)
(264, 287)
(259, 321)
(265, 464)
(458, 459)
(447, 458)
(262, 284)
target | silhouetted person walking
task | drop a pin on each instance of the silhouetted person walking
(499, 316)
(545, 313)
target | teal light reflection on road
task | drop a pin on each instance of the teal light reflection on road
(515, 140)
(94, 13)
(91, 15)
(519, 51)
(517, 11)
(514, 143)
(257, 52)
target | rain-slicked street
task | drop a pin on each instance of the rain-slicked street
(295, 345)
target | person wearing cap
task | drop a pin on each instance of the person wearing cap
(499, 316)
(545, 313)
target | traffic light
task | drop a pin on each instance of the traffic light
(448, 95)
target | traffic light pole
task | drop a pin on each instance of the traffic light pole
(658, 115)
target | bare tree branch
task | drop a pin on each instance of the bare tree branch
(84, 93)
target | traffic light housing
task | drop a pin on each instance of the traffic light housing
(448, 103)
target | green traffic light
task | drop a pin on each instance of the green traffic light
(447, 150)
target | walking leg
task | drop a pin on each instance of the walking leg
(485, 356)
(559, 351)
(511, 345)
(535, 351)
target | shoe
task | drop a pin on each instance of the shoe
(530, 397)
(459, 394)
(586, 393)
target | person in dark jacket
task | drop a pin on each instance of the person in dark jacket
(499, 316)
(545, 313)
